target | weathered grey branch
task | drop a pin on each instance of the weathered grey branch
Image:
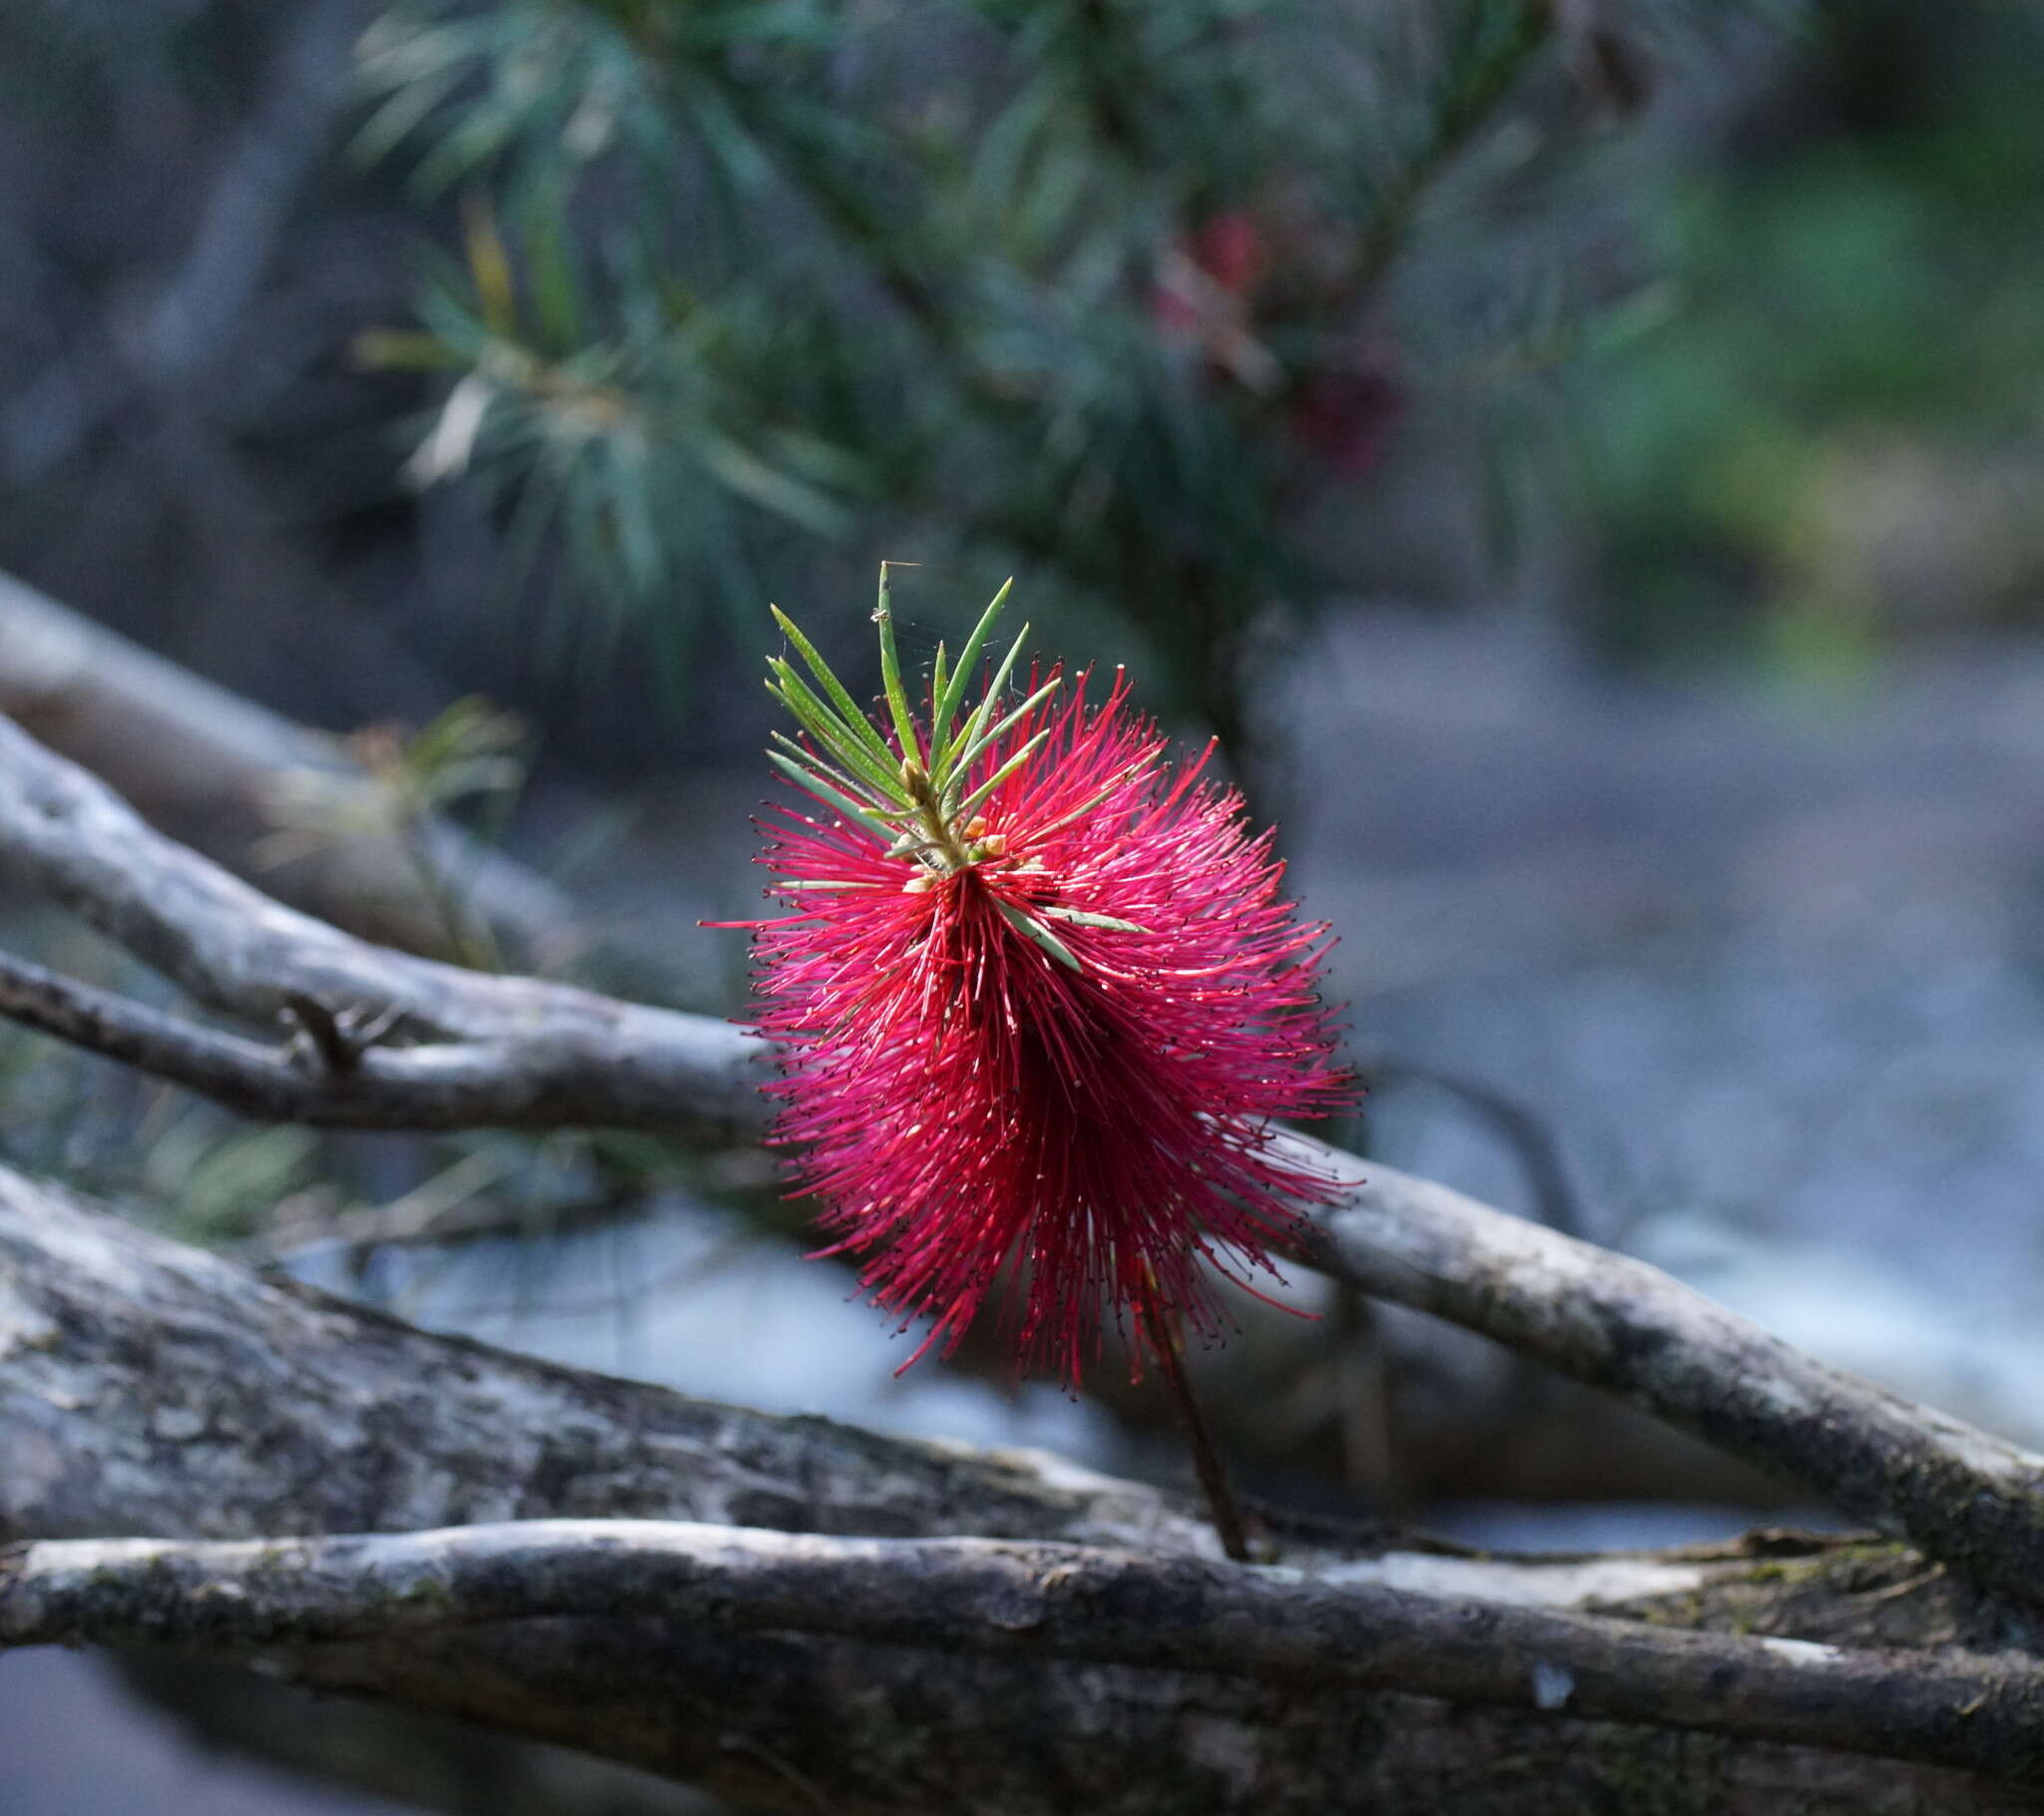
(519, 1051)
(328, 1073)
(207, 766)
(475, 1049)
(150, 1388)
(268, 1600)
(1956, 1491)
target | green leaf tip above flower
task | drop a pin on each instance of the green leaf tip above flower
(917, 793)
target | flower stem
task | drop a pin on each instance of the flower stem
(1214, 1482)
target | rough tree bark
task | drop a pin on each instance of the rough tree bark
(1082, 1649)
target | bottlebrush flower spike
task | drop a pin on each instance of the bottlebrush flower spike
(1036, 1005)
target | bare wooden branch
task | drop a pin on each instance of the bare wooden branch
(207, 766)
(154, 1389)
(793, 1722)
(268, 1599)
(1961, 1495)
(330, 1075)
(467, 1048)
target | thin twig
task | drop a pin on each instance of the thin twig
(352, 1083)
(1214, 1482)
(1531, 1141)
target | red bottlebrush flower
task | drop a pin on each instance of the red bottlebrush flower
(1038, 1004)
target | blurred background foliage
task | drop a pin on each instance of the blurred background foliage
(1083, 288)
(542, 341)
(1174, 305)
(1815, 428)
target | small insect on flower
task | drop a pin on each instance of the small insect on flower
(1037, 1004)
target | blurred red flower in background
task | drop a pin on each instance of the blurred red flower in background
(1225, 285)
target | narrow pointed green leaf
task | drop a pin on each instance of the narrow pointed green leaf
(968, 755)
(1032, 929)
(983, 713)
(1001, 774)
(861, 781)
(828, 729)
(814, 716)
(950, 698)
(1080, 917)
(854, 714)
(891, 670)
(858, 790)
(938, 675)
(818, 787)
(822, 720)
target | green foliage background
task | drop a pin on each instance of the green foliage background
(1815, 428)
(750, 293)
